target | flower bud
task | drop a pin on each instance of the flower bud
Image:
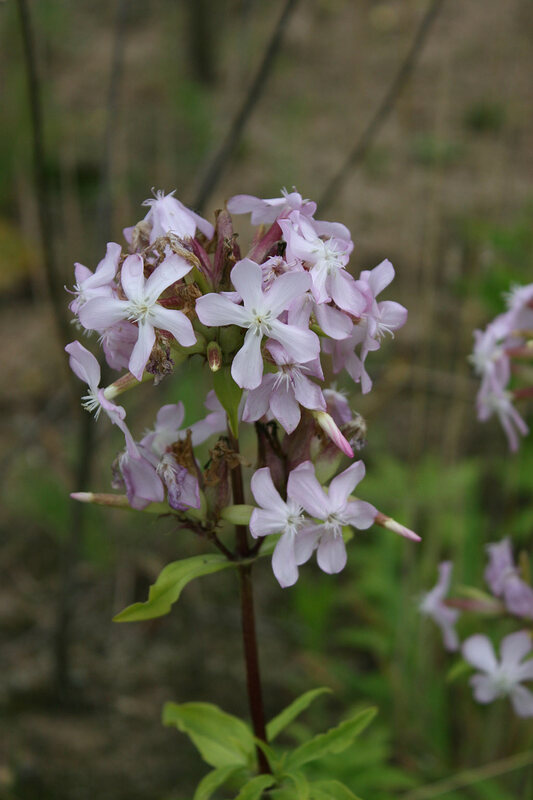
(330, 428)
(396, 527)
(214, 356)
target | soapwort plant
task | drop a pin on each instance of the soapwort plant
(265, 323)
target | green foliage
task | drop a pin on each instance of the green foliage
(254, 788)
(214, 780)
(237, 515)
(229, 395)
(222, 739)
(330, 790)
(285, 717)
(333, 741)
(169, 585)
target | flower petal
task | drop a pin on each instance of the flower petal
(102, 312)
(284, 406)
(331, 554)
(247, 367)
(214, 309)
(284, 561)
(522, 700)
(84, 364)
(175, 322)
(141, 352)
(343, 485)
(514, 648)
(302, 345)
(172, 269)
(360, 514)
(258, 399)
(479, 652)
(247, 277)
(285, 289)
(485, 690)
(264, 491)
(380, 276)
(132, 277)
(304, 488)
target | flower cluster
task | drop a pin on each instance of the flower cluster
(263, 323)
(512, 595)
(498, 353)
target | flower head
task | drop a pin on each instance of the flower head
(502, 678)
(504, 580)
(432, 605)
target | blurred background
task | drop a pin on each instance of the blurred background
(136, 95)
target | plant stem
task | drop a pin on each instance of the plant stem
(249, 637)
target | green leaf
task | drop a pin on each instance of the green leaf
(229, 395)
(213, 780)
(331, 790)
(168, 586)
(275, 762)
(285, 717)
(255, 788)
(222, 739)
(301, 785)
(333, 741)
(237, 515)
(457, 670)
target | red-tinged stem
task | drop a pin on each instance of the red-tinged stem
(249, 636)
(519, 352)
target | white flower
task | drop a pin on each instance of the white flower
(498, 679)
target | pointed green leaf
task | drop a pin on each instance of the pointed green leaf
(222, 739)
(229, 395)
(213, 780)
(168, 586)
(237, 515)
(333, 741)
(331, 790)
(274, 761)
(255, 788)
(285, 717)
(457, 670)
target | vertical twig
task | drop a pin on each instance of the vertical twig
(52, 275)
(249, 636)
(221, 158)
(385, 107)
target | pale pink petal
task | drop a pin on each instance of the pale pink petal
(81, 273)
(84, 364)
(360, 514)
(304, 488)
(284, 561)
(264, 522)
(308, 394)
(102, 312)
(132, 277)
(176, 322)
(522, 700)
(485, 690)
(343, 485)
(247, 277)
(172, 269)
(333, 322)
(392, 315)
(479, 652)
(247, 366)
(284, 406)
(346, 294)
(381, 276)
(264, 491)
(331, 554)
(285, 289)
(514, 648)
(258, 399)
(302, 345)
(214, 310)
(141, 351)
(305, 543)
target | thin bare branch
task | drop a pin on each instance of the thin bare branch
(384, 109)
(220, 160)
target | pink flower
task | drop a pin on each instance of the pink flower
(504, 580)
(285, 390)
(265, 212)
(277, 516)
(259, 315)
(182, 487)
(333, 508)
(168, 215)
(215, 422)
(118, 342)
(86, 368)
(432, 605)
(326, 260)
(491, 400)
(142, 307)
(505, 677)
(142, 483)
(338, 406)
(98, 283)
